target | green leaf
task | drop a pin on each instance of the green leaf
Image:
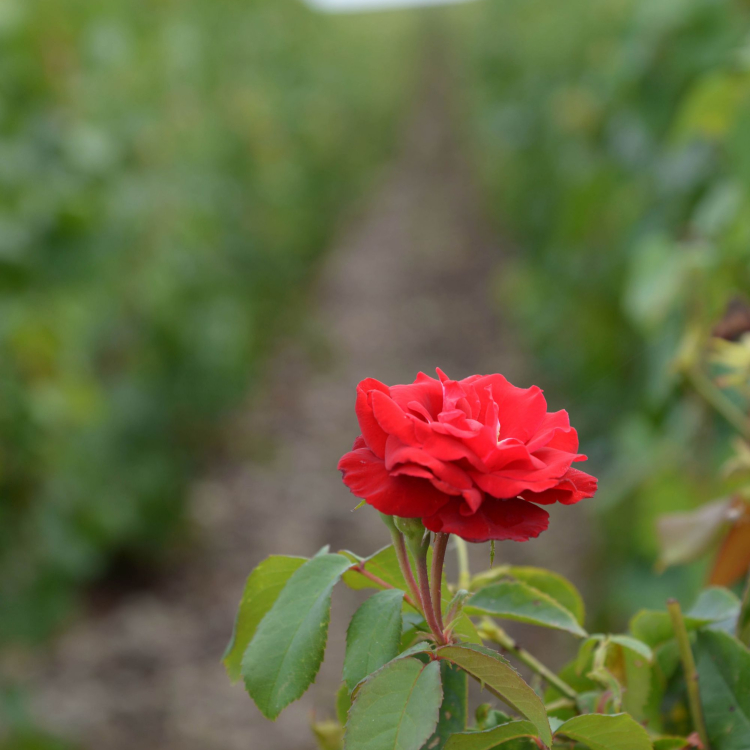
(343, 703)
(602, 732)
(397, 708)
(285, 654)
(492, 738)
(625, 641)
(671, 743)
(455, 706)
(554, 585)
(714, 605)
(513, 600)
(374, 635)
(723, 665)
(262, 589)
(464, 627)
(496, 673)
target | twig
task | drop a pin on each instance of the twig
(691, 673)
(399, 545)
(492, 632)
(462, 553)
(360, 568)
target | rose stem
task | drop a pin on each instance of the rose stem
(424, 588)
(492, 632)
(462, 553)
(691, 673)
(360, 568)
(438, 558)
(403, 561)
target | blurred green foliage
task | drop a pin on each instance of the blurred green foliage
(169, 173)
(612, 139)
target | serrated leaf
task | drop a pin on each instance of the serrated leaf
(262, 589)
(492, 738)
(497, 675)
(603, 732)
(455, 706)
(284, 656)
(343, 703)
(513, 600)
(723, 665)
(397, 708)
(373, 636)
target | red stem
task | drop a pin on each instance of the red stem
(438, 558)
(424, 588)
(359, 568)
(403, 561)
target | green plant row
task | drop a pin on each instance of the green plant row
(611, 139)
(169, 174)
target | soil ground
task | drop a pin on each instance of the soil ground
(406, 288)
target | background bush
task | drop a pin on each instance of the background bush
(612, 140)
(169, 173)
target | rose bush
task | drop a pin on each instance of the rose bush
(473, 457)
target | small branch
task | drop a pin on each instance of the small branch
(360, 568)
(492, 632)
(691, 673)
(436, 583)
(560, 704)
(424, 588)
(462, 553)
(403, 562)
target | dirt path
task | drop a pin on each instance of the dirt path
(406, 289)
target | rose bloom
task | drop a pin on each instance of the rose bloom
(473, 457)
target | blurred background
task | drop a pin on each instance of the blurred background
(215, 218)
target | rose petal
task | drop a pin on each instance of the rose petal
(573, 487)
(409, 497)
(496, 519)
(372, 432)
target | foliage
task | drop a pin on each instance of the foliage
(611, 140)
(405, 681)
(169, 173)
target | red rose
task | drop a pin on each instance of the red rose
(472, 457)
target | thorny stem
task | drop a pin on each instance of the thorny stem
(403, 562)
(462, 553)
(424, 588)
(492, 632)
(691, 673)
(360, 568)
(438, 558)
